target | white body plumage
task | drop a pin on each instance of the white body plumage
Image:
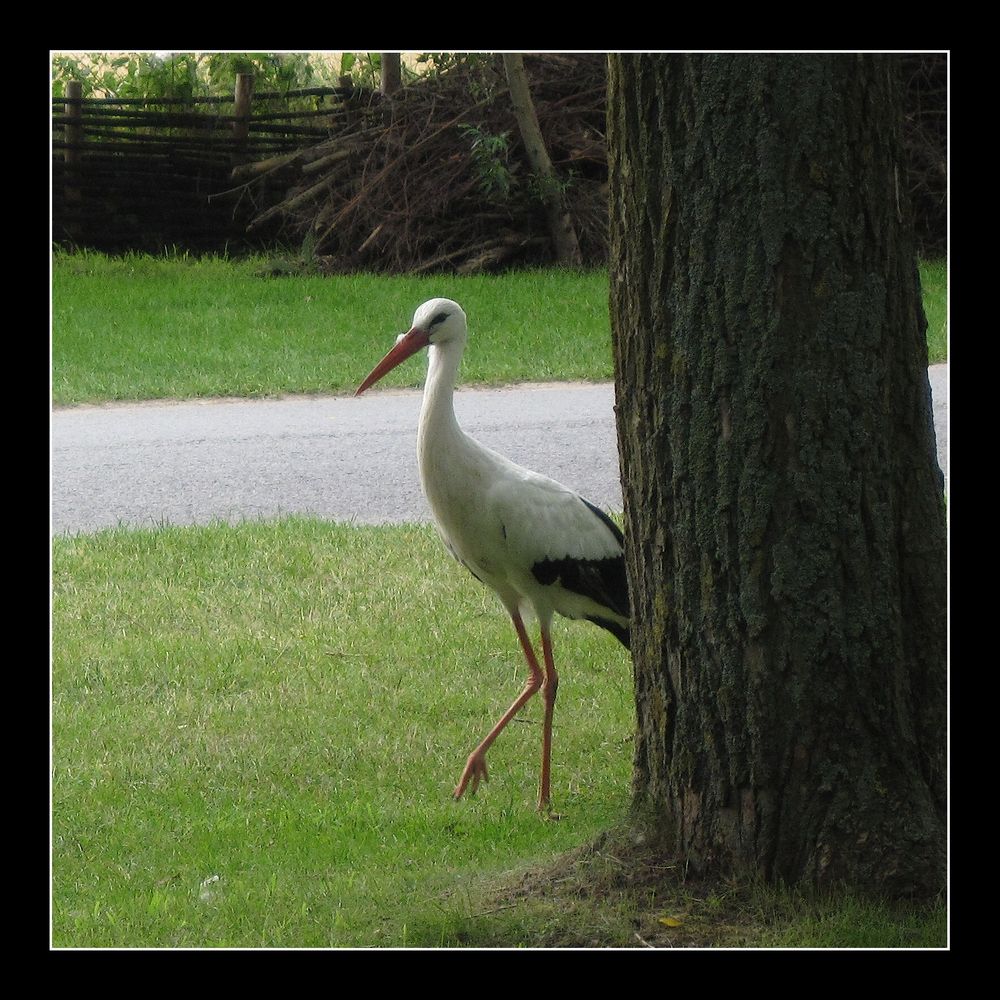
(536, 543)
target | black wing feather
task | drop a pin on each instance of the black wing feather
(602, 580)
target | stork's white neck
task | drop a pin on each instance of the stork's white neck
(451, 462)
(437, 413)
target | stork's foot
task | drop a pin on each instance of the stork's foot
(475, 771)
(545, 810)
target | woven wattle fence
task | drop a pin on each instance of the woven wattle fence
(154, 173)
(431, 179)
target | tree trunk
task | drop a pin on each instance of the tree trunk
(391, 73)
(783, 504)
(560, 224)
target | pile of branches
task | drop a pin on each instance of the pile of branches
(434, 178)
(925, 138)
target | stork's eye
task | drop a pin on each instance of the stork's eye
(440, 318)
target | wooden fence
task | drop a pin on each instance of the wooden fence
(145, 174)
(150, 173)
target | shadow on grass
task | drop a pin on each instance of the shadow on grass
(609, 894)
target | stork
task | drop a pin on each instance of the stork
(539, 545)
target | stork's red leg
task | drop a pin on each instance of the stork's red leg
(475, 767)
(549, 688)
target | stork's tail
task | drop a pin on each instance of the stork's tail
(620, 632)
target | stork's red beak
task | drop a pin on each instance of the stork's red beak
(409, 343)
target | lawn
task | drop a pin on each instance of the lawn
(139, 327)
(934, 282)
(255, 740)
(147, 328)
(256, 729)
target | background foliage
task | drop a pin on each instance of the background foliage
(437, 178)
(186, 74)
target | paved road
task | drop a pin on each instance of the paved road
(337, 457)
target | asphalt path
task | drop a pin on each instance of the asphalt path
(338, 457)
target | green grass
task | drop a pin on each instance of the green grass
(847, 921)
(249, 703)
(151, 328)
(934, 282)
(255, 739)
(140, 327)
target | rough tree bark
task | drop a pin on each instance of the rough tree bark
(563, 234)
(783, 504)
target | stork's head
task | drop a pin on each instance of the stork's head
(436, 323)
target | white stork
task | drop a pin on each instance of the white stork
(539, 545)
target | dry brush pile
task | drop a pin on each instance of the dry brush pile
(925, 136)
(434, 178)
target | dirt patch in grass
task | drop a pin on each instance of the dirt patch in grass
(607, 894)
(614, 894)
(618, 895)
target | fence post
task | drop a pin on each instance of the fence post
(392, 78)
(241, 111)
(346, 83)
(73, 133)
